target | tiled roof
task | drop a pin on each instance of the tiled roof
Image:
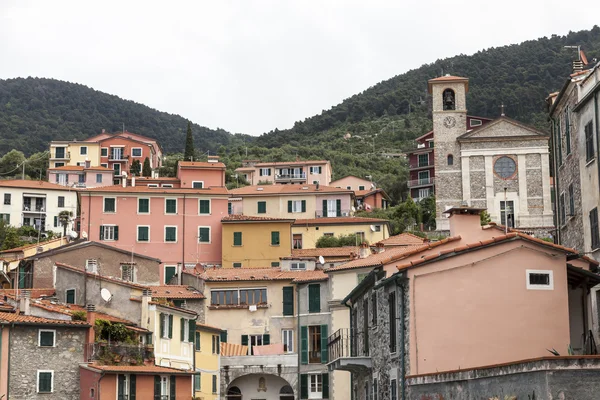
(32, 246)
(33, 293)
(326, 251)
(200, 164)
(496, 240)
(139, 369)
(209, 327)
(310, 276)
(261, 274)
(297, 162)
(364, 193)
(176, 292)
(80, 168)
(262, 190)
(102, 277)
(390, 255)
(340, 220)
(448, 78)
(31, 320)
(28, 184)
(159, 190)
(403, 239)
(245, 169)
(68, 309)
(249, 218)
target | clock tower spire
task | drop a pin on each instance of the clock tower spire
(449, 122)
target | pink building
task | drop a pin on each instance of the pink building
(81, 176)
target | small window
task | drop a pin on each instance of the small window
(197, 381)
(298, 266)
(143, 233)
(136, 152)
(110, 204)
(59, 164)
(198, 185)
(214, 384)
(475, 122)
(153, 185)
(204, 234)
(7, 199)
(166, 185)
(104, 152)
(589, 141)
(448, 100)
(275, 264)
(237, 238)
(204, 207)
(197, 342)
(450, 159)
(262, 207)
(104, 165)
(127, 273)
(237, 265)
(98, 178)
(170, 234)
(143, 206)
(70, 296)
(83, 150)
(170, 206)
(539, 280)
(274, 238)
(361, 188)
(45, 381)
(349, 187)
(216, 344)
(46, 338)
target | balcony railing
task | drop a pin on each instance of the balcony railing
(34, 209)
(119, 353)
(286, 360)
(420, 165)
(332, 213)
(421, 182)
(346, 351)
(116, 157)
(290, 177)
(65, 156)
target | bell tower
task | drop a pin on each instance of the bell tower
(449, 122)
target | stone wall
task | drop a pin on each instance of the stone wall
(551, 378)
(26, 358)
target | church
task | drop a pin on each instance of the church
(501, 164)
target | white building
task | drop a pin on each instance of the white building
(36, 203)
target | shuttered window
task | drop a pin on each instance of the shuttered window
(171, 206)
(45, 379)
(70, 296)
(288, 300)
(109, 204)
(274, 238)
(46, 338)
(143, 234)
(170, 234)
(143, 206)
(262, 207)
(237, 238)
(204, 234)
(204, 207)
(594, 228)
(314, 298)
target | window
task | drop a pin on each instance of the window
(423, 177)
(264, 172)
(571, 201)
(109, 232)
(46, 338)
(392, 321)
(287, 338)
(374, 308)
(349, 187)
(296, 206)
(153, 185)
(475, 122)
(204, 234)
(143, 233)
(361, 188)
(365, 326)
(562, 213)
(423, 193)
(374, 389)
(314, 298)
(237, 265)
(197, 382)
(198, 184)
(165, 387)
(143, 206)
(83, 150)
(214, 384)
(360, 237)
(110, 204)
(204, 207)
(45, 381)
(128, 272)
(170, 272)
(595, 234)
(298, 266)
(255, 340)
(126, 387)
(197, 341)
(81, 178)
(216, 344)
(450, 159)
(448, 100)
(314, 344)
(98, 178)
(315, 170)
(253, 296)
(56, 221)
(104, 165)
(297, 240)
(59, 164)
(539, 280)
(7, 198)
(376, 228)
(275, 264)
(170, 234)
(170, 206)
(315, 386)
(91, 265)
(70, 296)
(237, 238)
(136, 152)
(589, 141)
(505, 167)
(274, 238)
(423, 160)
(568, 131)
(507, 213)
(393, 390)
(166, 326)
(224, 297)
(262, 207)
(60, 152)
(104, 152)
(288, 300)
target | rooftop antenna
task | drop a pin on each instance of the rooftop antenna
(502, 110)
(123, 127)
(581, 59)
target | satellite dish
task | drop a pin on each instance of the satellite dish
(73, 235)
(372, 228)
(105, 294)
(321, 260)
(84, 235)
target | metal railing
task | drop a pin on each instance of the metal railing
(117, 353)
(301, 175)
(332, 213)
(421, 182)
(34, 209)
(420, 165)
(343, 343)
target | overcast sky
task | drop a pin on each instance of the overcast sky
(251, 66)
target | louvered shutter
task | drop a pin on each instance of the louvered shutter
(325, 379)
(191, 330)
(303, 205)
(288, 300)
(224, 337)
(290, 206)
(304, 386)
(116, 232)
(304, 344)
(170, 326)
(156, 387)
(101, 232)
(132, 387)
(266, 339)
(324, 344)
(182, 328)
(172, 386)
(338, 206)
(324, 208)
(162, 325)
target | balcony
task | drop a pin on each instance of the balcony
(285, 360)
(119, 354)
(118, 158)
(333, 213)
(60, 156)
(301, 177)
(344, 353)
(421, 182)
(413, 166)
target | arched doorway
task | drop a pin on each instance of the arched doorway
(263, 386)
(286, 393)
(234, 393)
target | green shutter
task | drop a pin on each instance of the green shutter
(314, 298)
(304, 386)
(204, 206)
(237, 238)
(274, 238)
(143, 205)
(46, 338)
(70, 296)
(244, 340)
(325, 378)
(45, 382)
(266, 339)
(170, 326)
(191, 330)
(229, 208)
(218, 340)
(204, 235)
(162, 324)
(197, 341)
(324, 344)
(156, 386)
(172, 386)
(262, 207)
(214, 384)
(132, 387)
(116, 232)
(182, 328)
(171, 206)
(120, 387)
(288, 300)
(324, 208)
(303, 205)
(289, 206)
(338, 206)
(304, 344)
(55, 221)
(143, 234)
(169, 274)
(197, 382)
(101, 232)
(224, 337)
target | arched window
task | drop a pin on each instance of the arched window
(450, 159)
(286, 393)
(449, 99)
(234, 393)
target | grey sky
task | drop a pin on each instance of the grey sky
(250, 66)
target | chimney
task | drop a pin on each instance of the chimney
(317, 185)
(24, 305)
(465, 222)
(132, 180)
(144, 319)
(90, 338)
(124, 182)
(213, 159)
(379, 248)
(103, 130)
(364, 251)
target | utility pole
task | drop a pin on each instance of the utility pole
(23, 173)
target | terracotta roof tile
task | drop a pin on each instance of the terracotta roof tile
(32, 246)
(297, 162)
(140, 369)
(448, 78)
(176, 292)
(261, 274)
(31, 320)
(201, 164)
(265, 190)
(326, 251)
(250, 218)
(159, 190)
(403, 239)
(102, 277)
(28, 184)
(33, 293)
(340, 220)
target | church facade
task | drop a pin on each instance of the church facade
(502, 165)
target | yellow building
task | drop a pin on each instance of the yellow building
(64, 153)
(207, 361)
(255, 242)
(174, 334)
(306, 232)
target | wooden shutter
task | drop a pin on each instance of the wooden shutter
(116, 232)
(120, 386)
(303, 205)
(191, 330)
(172, 386)
(290, 206)
(197, 340)
(324, 344)
(70, 296)
(244, 340)
(338, 206)
(314, 298)
(304, 386)
(182, 328)
(132, 387)
(266, 339)
(170, 326)
(237, 238)
(260, 171)
(288, 300)
(217, 339)
(275, 238)
(162, 324)
(156, 386)
(304, 345)
(325, 380)
(101, 232)
(223, 336)
(214, 384)
(324, 208)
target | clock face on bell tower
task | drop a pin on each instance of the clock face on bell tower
(449, 122)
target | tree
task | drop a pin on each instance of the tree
(11, 239)
(136, 168)
(485, 218)
(188, 154)
(64, 217)
(147, 171)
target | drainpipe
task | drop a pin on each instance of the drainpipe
(402, 340)
(556, 183)
(351, 347)
(183, 245)
(597, 132)
(298, 339)
(89, 216)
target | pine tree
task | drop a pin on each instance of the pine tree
(146, 170)
(189, 144)
(136, 168)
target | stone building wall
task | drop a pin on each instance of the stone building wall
(26, 358)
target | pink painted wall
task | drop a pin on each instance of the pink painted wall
(346, 202)
(4, 362)
(450, 330)
(352, 181)
(210, 177)
(90, 178)
(127, 218)
(127, 146)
